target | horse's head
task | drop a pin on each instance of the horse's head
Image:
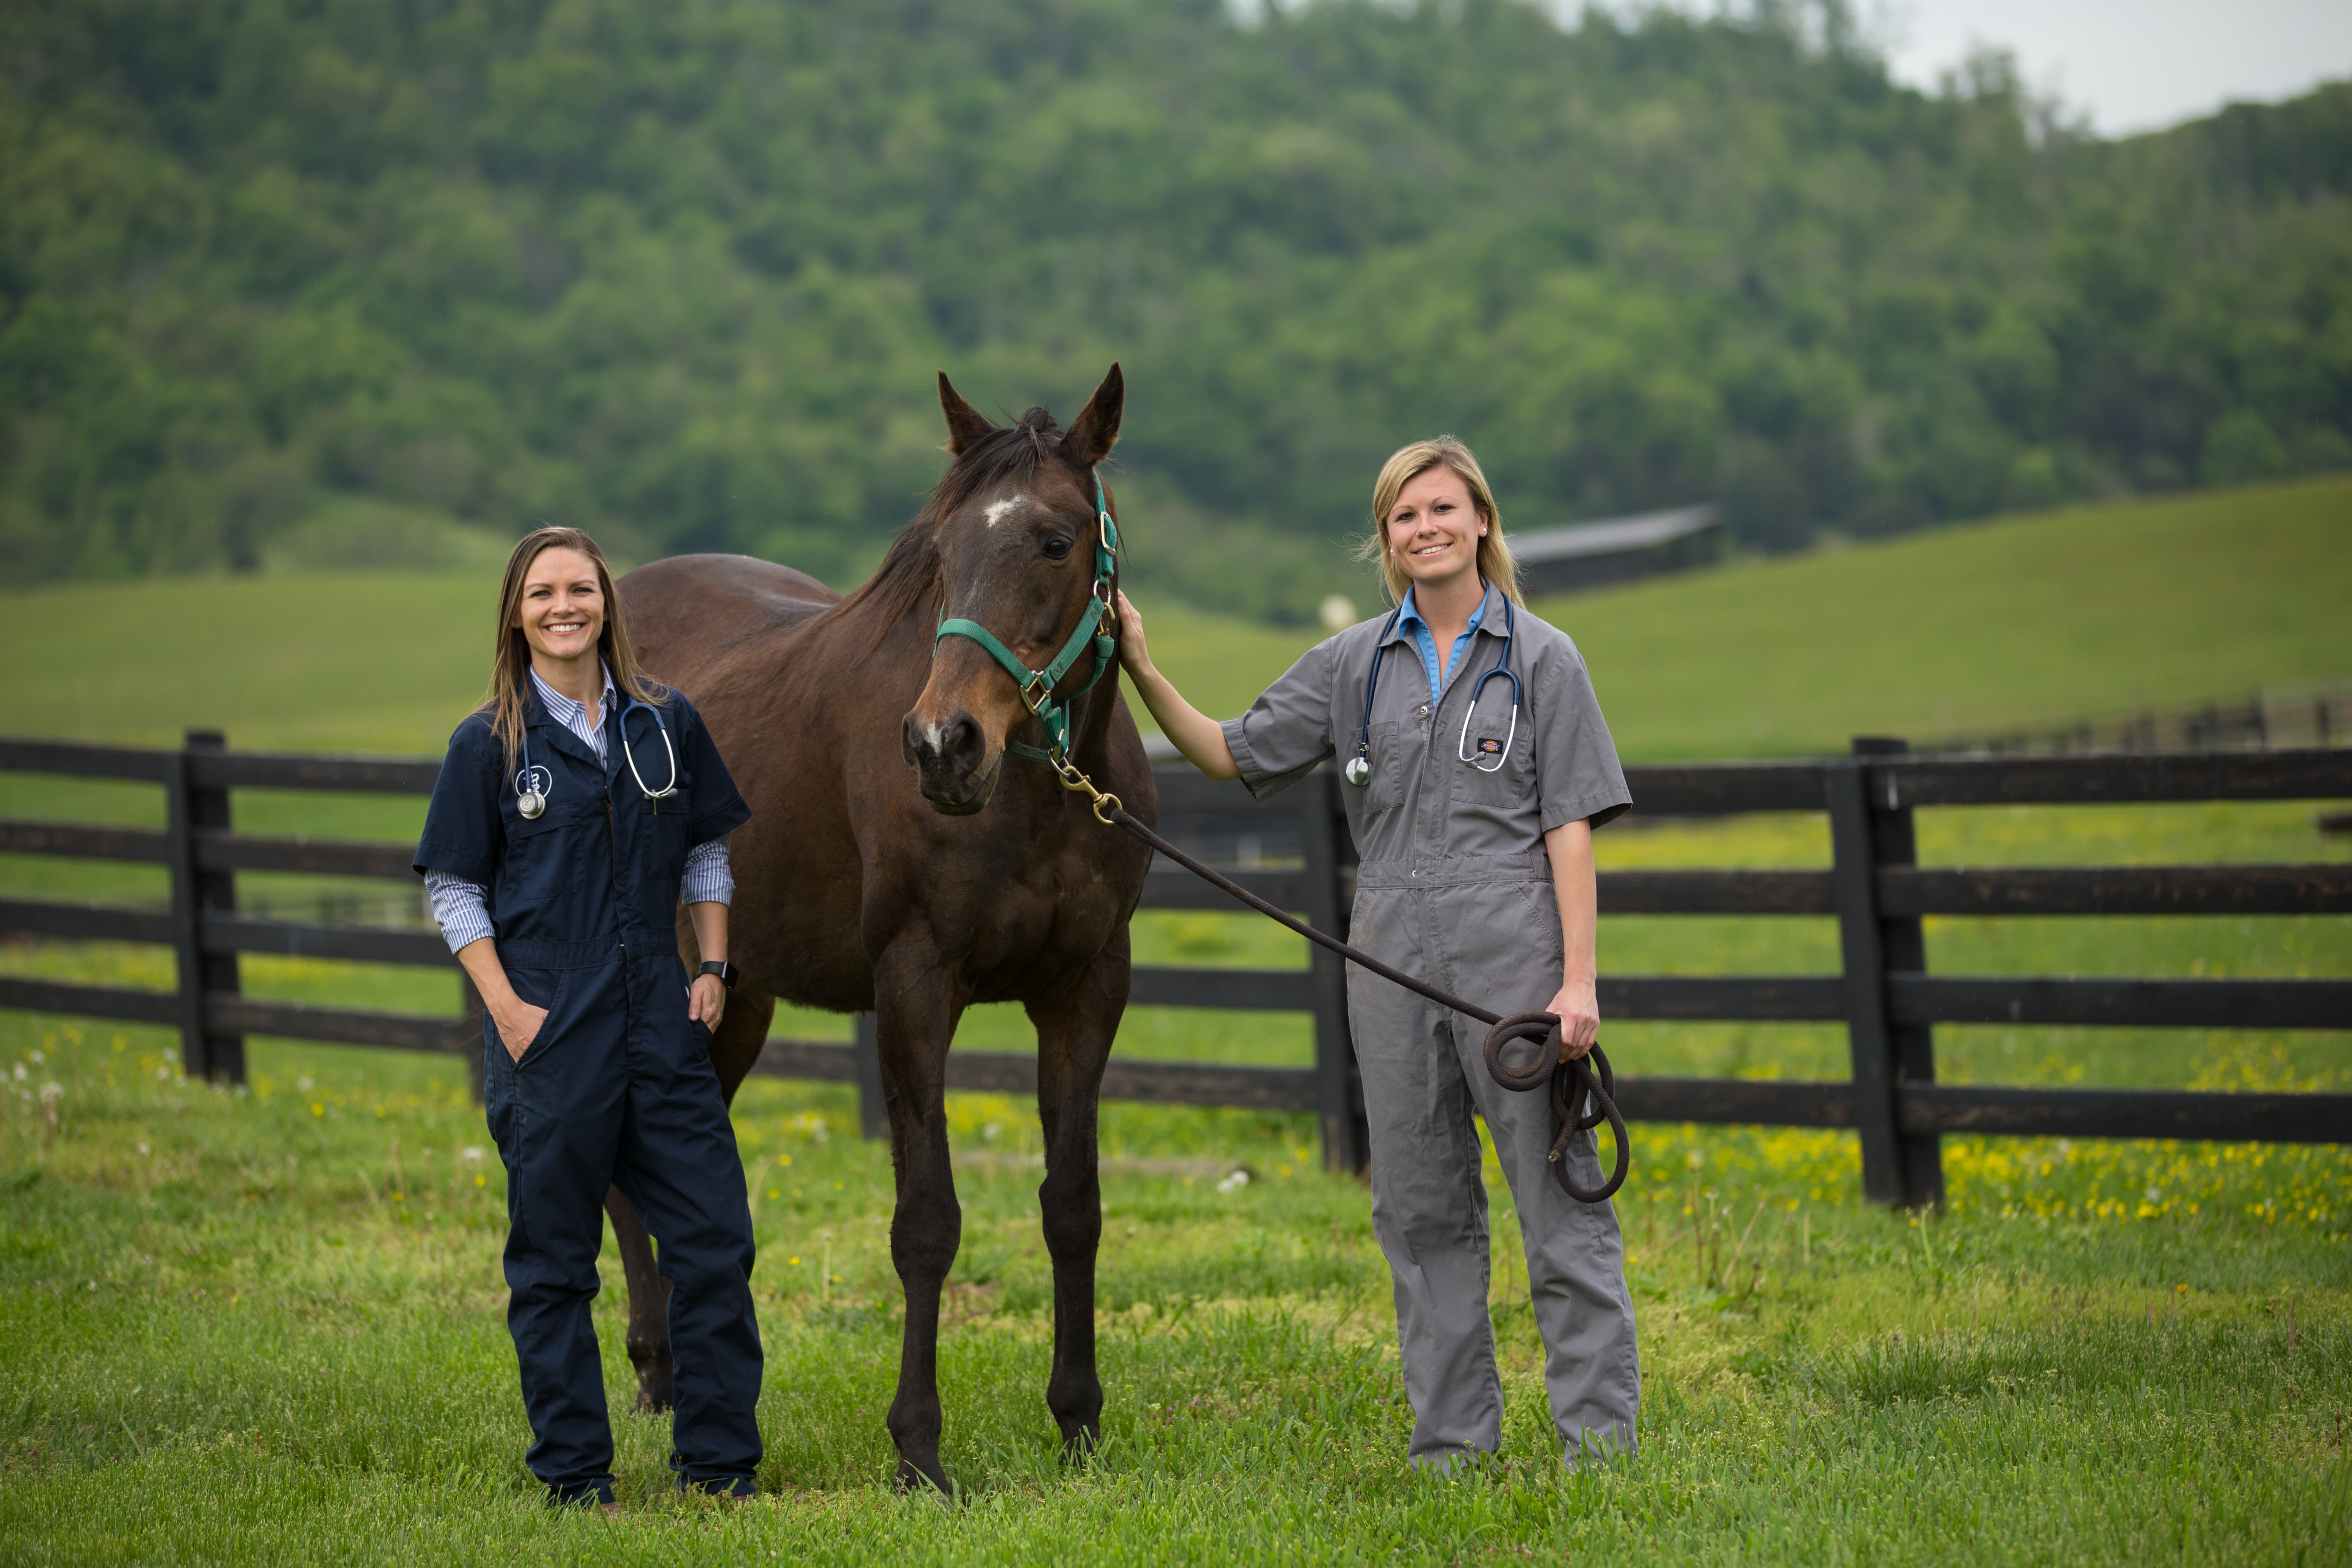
(1015, 529)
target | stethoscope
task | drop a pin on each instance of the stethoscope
(531, 783)
(1359, 770)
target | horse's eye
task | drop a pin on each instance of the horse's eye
(1056, 547)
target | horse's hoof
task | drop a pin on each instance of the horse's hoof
(657, 1383)
(1081, 1445)
(931, 1482)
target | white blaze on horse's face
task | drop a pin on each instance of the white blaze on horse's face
(1018, 564)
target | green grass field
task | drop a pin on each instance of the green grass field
(267, 1327)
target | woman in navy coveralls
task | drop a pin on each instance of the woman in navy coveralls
(596, 1046)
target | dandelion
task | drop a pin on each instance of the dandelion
(1234, 1183)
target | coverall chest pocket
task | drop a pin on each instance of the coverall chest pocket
(1393, 750)
(661, 837)
(1480, 781)
(546, 858)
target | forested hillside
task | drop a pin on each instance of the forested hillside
(680, 271)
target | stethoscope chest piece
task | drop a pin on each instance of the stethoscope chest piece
(531, 786)
(1359, 770)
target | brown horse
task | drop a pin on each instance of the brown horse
(897, 861)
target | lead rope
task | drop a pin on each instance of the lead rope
(1572, 1083)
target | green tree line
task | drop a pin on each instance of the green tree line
(680, 271)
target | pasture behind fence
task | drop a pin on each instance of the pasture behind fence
(1296, 852)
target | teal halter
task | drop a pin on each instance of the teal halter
(1037, 685)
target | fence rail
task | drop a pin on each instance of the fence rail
(1295, 851)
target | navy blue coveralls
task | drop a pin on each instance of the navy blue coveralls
(616, 1087)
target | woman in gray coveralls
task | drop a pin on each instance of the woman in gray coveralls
(1476, 875)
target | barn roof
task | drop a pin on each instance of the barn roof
(1612, 536)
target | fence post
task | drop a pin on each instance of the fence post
(219, 1058)
(1903, 947)
(1340, 1091)
(1903, 1170)
(1864, 965)
(873, 1115)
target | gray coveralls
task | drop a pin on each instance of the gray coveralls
(1455, 887)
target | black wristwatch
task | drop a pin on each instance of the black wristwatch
(721, 968)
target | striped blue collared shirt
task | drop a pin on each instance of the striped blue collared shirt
(462, 908)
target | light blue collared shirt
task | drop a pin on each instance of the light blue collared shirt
(462, 908)
(1409, 621)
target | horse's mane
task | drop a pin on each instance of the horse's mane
(910, 572)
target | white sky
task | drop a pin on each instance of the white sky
(2128, 65)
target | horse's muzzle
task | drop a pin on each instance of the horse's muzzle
(952, 766)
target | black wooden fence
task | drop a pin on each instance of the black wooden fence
(1295, 851)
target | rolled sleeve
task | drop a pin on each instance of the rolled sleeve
(1579, 776)
(708, 880)
(1287, 733)
(461, 908)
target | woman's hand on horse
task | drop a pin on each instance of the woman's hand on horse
(1577, 1007)
(1131, 650)
(706, 1001)
(519, 1025)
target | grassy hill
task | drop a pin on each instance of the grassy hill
(1960, 630)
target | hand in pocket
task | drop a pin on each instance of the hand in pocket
(519, 1025)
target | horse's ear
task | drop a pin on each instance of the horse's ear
(1095, 429)
(965, 423)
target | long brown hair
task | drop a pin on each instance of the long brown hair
(507, 698)
(1407, 464)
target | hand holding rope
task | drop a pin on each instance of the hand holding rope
(1576, 1084)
